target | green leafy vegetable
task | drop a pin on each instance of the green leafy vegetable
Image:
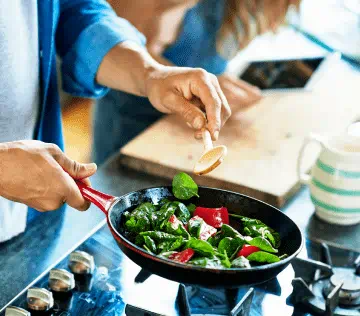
(201, 247)
(184, 187)
(254, 228)
(263, 257)
(228, 231)
(159, 236)
(169, 245)
(240, 262)
(224, 259)
(207, 262)
(191, 208)
(230, 245)
(182, 212)
(140, 218)
(150, 244)
(176, 228)
(261, 243)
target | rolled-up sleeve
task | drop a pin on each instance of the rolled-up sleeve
(86, 31)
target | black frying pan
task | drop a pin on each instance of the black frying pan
(114, 207)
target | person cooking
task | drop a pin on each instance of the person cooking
(99, 51)
(187, 33)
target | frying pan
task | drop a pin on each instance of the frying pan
(114, 207)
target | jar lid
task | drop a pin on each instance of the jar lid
(80, 262)
(61, 280)
(39, 299)
(16, 311)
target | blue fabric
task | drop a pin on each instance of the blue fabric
(81, 32)
(119, 116)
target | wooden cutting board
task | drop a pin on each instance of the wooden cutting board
(263, 143)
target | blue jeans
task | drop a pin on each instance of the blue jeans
(118, 118)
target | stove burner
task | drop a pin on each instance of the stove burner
(350, 291)
(241, 308)
(330, 291)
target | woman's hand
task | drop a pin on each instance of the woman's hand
(194, 94)
(240, 94)
(41, 176)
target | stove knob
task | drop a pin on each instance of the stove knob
(81, 262)
(16, 311)
(61, 280)
(39, 299)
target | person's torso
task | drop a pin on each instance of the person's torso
(183, 31)
(19, 91)
(19, 66)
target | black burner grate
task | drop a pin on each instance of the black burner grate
(314, 286)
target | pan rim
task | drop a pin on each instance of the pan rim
(128, 244)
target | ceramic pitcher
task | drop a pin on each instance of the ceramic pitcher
(334, 180)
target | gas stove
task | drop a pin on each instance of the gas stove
(97, 279)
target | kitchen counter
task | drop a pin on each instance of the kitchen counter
(55, 234)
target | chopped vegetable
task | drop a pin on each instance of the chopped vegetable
(215, 217)
(183, 256)
(247, 250)
(200, 235)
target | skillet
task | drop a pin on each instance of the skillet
(114, 208)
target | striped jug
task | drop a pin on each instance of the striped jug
(334, 180)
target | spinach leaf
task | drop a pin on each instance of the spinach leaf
(182, 212)
(262, 256)
(229, 245)
(140, 218)
(255, 228)
(163, 201)
(215, 240)
(207, 262)
(224, 259)
(228, 231)
(261, 243)
(194, 226)
(240, 262)
(191, 208)
(149, 242)
(168, 245)
(161, 217)
(159, 236)
(201, 247)
(176, 228)
(148, 250)
(184, 187)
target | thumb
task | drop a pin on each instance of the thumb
(190, 111)
(76, 169)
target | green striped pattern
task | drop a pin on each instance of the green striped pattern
(328, 189)
(332, 208)
(338, 172)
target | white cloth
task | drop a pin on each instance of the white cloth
(19, 91)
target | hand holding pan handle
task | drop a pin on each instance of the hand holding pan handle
(101, 200)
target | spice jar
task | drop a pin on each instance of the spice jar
(16, 311)
(39, 300)
(80, 262)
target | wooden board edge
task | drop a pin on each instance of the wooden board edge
(168, 173)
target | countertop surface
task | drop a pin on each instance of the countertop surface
(55, 234)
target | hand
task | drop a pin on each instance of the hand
(41, 176)
(240, 94)
(194, 94)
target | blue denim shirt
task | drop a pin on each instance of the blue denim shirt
(81, 32)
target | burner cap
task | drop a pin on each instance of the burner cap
(348, 276)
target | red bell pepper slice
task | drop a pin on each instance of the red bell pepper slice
(183, 256)
(213, 216)
(247, 250)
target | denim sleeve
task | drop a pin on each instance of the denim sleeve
(87, 30)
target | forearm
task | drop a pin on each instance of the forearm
(126, 68)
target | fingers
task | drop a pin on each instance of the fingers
(189, 110)
(73, 195)
(73, 170)
(203, 87)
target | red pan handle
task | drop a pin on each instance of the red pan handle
(101, 200)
